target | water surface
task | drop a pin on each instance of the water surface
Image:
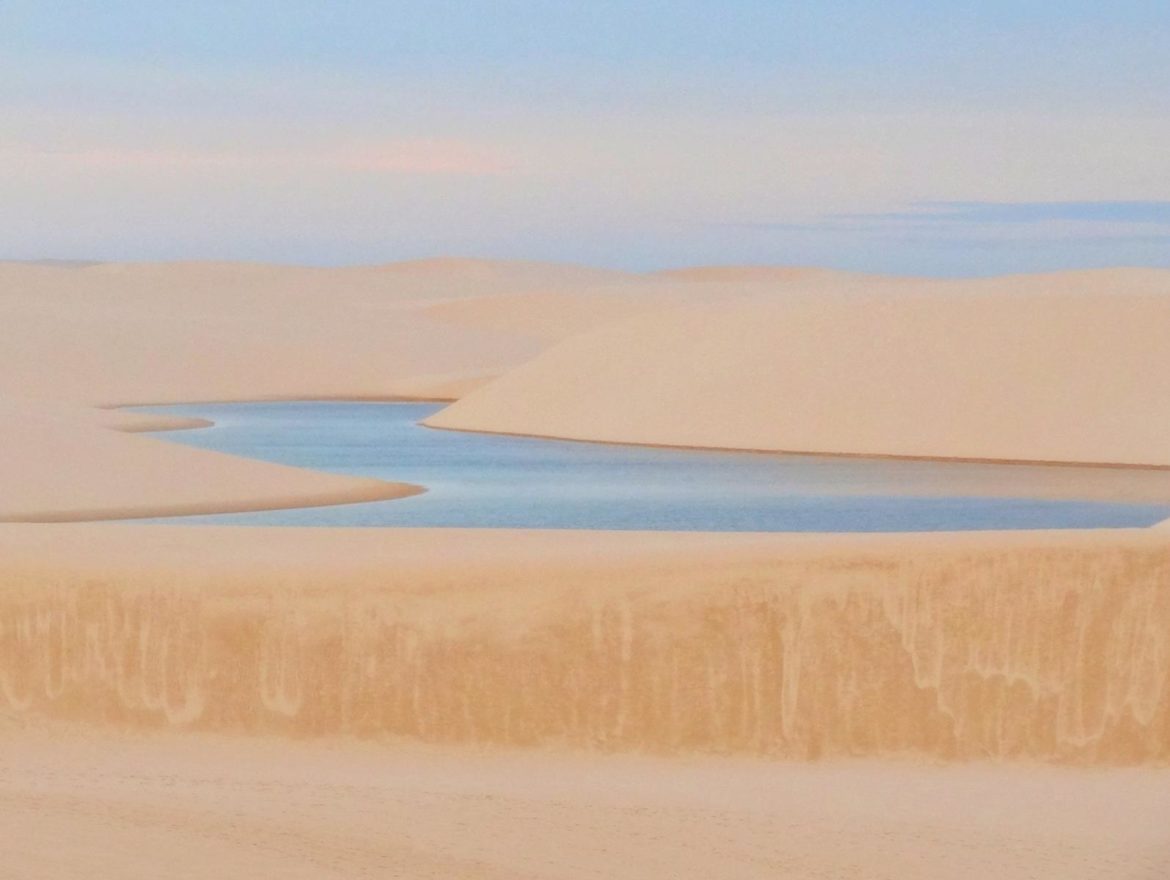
(487, 480)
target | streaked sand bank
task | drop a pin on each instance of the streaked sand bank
(195, 806)
(983, 646)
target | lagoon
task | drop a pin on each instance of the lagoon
(495, 481)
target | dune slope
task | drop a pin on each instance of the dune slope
(1065, 367)
(137, 333)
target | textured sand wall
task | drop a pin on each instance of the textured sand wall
(1051, 652)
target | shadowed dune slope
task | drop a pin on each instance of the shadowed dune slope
(118, 333)
(1071, 367)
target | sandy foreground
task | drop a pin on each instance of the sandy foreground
(197, 806)
(475, 703)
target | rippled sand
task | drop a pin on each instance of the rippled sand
(193, 806)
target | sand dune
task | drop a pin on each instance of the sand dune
(71, 338)
(546, 316)
(119, 333)
(763, 275)
(1059, 367)
(553, 315)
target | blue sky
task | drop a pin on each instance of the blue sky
(914, 137)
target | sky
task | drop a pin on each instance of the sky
(933, 138)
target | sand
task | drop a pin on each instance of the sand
(113, 334)
(731, 357)
(897, 368)
(61, 464)
(193, 806)
(72, 339)
(497, 704)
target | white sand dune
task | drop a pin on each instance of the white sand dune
(73, 338)
(1062, 367)
(739, 357)
(553, 315)
(786, 275)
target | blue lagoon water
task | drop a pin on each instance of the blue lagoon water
(483, 480)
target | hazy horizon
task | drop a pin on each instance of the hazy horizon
(906, 139)
(972, 273)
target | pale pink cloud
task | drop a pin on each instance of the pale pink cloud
(399, 157)
(424, 157)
